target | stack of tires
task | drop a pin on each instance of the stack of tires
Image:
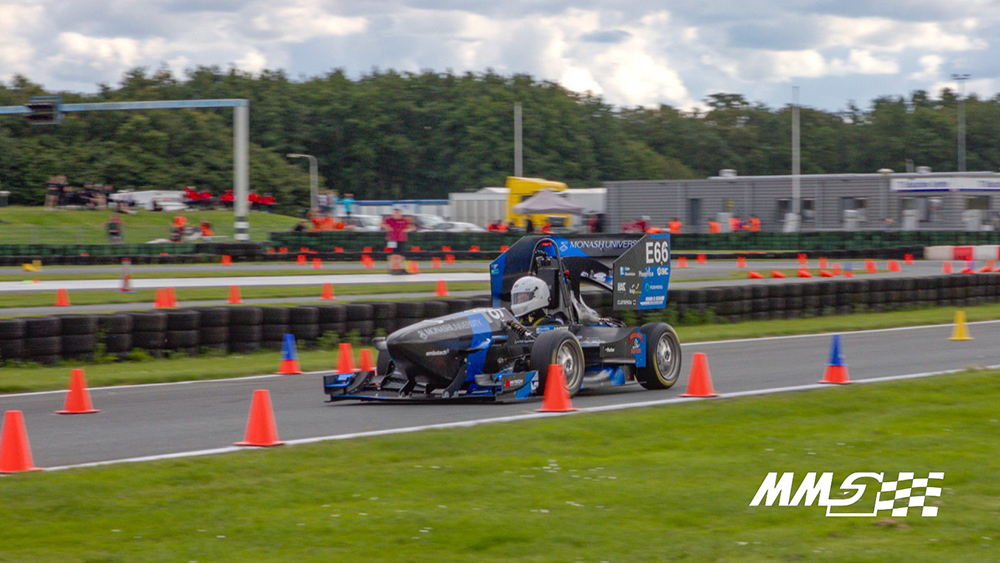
(12, 339)
(149, 332)
(407, 313)
(183, 331)
(78, 336)
(360, 319)
(42, 343)
(245, 329)
(383, 318)
(116, 333)
(435, 309)
(332, 318)
(213, 331)
(304, 325)
(274, 326)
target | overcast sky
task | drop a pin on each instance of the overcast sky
(632, 53)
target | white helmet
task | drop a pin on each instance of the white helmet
(528, 294)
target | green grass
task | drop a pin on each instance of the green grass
(35, 225)
(652, 484)
(301, 271)
(308, 293)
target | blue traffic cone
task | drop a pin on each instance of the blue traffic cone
(836, 370)
(289, 357)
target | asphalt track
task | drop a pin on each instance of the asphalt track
(179, 419)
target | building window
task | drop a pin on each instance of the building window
(859, 204)
(784, 208)
(978, 202)
(694, 212)
(808, 209)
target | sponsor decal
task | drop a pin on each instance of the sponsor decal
(897, 496)
(609, 349)
(436, 353)
(426, 333)
(635, 340)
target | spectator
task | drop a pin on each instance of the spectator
(301, 227)
(114, 226)
(228, 198)
(734, 223)
(546, 228)
(396, 227)
(675, 226)
(529, 227)
(348, 202)
(206, 229)
(714, 227)
(754, 225)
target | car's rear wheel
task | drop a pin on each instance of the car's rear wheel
(558, 347)
(663, 357)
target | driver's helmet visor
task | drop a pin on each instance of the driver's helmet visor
(522, 296)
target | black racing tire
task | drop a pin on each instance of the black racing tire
(384, 363)
(183, 319)
(47, 360)
(245, 316)
(73, 344)
(39, 327)
(244, 347)
(214, 316)
(410, 309)
(152, 321)
(304, 316)
(304, 332)
(383, 310)
(275, 315)
(118, 343)
(329, 314)
(458, 305)
(213, 335)
(336, 328)
(435, 309)
(11, 329)
(43, 346)
(12, 350)
(358, 312)
(248, 333)
(364, 328)
(558, 347)
(153, 340)
(273, 331)
(118, 323)
(179, 339)
(663, 357)
(78, 324)
(482, 301)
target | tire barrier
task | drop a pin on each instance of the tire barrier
(246, 329)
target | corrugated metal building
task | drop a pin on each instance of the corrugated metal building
(946, 201)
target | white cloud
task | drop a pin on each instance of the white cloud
(304, 20)
(861, 61)
(930, 68)
(252, 62)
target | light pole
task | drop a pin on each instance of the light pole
(961, 78)
(313, 179)
(792, 219)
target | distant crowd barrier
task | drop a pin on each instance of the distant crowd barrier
(245, 329)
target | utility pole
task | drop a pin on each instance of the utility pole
(313, 179)
(961, 78)
(792, 220)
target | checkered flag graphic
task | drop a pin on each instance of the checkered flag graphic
(899, 496)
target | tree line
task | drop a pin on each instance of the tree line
(390, 134)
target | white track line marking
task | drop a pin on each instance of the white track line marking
(502, 419)
(689, 344)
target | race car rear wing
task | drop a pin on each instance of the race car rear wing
(604, 260)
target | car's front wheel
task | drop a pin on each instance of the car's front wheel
(663, 357)
(558, 347)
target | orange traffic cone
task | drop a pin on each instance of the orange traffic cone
(836, 370)
(556, 397)
(78, 398)
(442, 289)
(227, 260)
(234, 295)
(836, 268)
(317, 264)
(700, 379)
(270, 251)
(870, 266)
(338, 249)
(778, 275)
(412, 267)
(160, 301)
(171, 297)
(445, 249)
(741, 262)
(474, 248)
(415, 248)
(504, 248)
(261, 431)
(367, 261)
(908, 259)
(701, 259)
(682, 262)
(803, 273)
(300, 260)
(62, 298)
(802, 259)
(345, 358)
(282, 250)
(435, 262)
(825, 274)
(754, 275)
(304, 249)
(365, 360)
(823, 263)
(327, 294)
(15, 450)
(449, 258)
(893, 266)
(367, 250)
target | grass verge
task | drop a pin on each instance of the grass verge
(302, 271)
(652, 484)
(310, 293)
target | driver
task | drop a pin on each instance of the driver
(529, 297)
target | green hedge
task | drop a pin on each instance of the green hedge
(95, 249)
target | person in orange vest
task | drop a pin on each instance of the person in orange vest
(675, 226)
(546, 228)
(754, 224)
(501, 227)
(714, 227)
(654, 231)
(734, 223)
(206, 228)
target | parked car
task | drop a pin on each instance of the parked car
(362, 223)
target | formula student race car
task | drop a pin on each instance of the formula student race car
(538, 318)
